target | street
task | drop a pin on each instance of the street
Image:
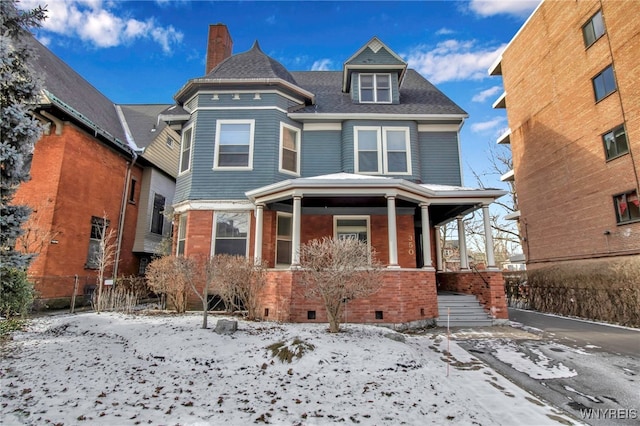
(589, 370)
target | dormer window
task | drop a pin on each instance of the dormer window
(375, 88)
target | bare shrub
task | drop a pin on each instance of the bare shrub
(336, 271)
(238, 282)
(603, 289)
(286, 351)
(171, 276)
(116, 299)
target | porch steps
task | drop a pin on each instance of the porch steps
(464, 311)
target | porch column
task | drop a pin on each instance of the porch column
(488, 238)
(393, 232)
(426, 237)
(438, 250)
(462, 241)
(257, 248)
(295, 237)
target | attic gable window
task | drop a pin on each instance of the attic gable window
(234, 144)
(375, 88)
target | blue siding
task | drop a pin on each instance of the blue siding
(440, 158)
(321, 153)
(368, 57)
(245, 99)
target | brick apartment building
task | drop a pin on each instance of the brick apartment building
(571, 93)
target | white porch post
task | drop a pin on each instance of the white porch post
(462, 241)
(488, 238)
(295, 237)
(426, 237)
(257, 249)
(438, 250)
(393, 233)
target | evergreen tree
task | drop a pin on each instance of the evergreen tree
(19, 131)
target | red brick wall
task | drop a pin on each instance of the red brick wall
(77, 178)
(564, 182)
(491, 294)
(406, 296)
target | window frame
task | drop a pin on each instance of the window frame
(216, 155)
(279, 238)
(157, 215)
(624, 197)
(181, 169)
(214, 236)
(613, 132)
(132, 191)
(92, 253)
(298, 138)
(375, 88)
(589, 25)
(367, 218)
(182, 235)
(382, 149)
(595, 80)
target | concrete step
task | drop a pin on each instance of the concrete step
(462, 310)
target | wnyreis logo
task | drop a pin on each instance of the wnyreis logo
(609, 414)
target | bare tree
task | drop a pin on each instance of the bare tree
(205, 272)
(339, 270)
(238, 281)
(36, 233)
(105, 256)
(171, 276)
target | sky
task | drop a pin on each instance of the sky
(145, 51)
(116, 369)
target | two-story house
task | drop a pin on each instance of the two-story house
(97, 161)
(271, 159)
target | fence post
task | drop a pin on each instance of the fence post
(73, 296)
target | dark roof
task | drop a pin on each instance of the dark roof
(417, 96)
(142, 121)
(75, 94)
(251, 64)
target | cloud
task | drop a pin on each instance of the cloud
(445, 31)
(520, 8)
(485, 94)
(321, 65)
(453, 60)
(97, 23)
(484, 126)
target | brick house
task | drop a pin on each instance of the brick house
(85, 168)
(271, 159)
(574, 130)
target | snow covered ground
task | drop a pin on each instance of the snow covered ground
(114, 369)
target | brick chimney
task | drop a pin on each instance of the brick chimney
(219, 46)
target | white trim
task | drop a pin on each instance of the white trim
(356, 150)
(374, 116)
(216, 154)
(504, 138)
(424, 128)
(353, 217)
(501, 102)
(215, 93)
(374, 88)
(508, 176)
(297, 150)
(215, 226)
(193, 83)
(181, 226)
(218, 205)
(513, 216)
(385, 149)
(240, 108)
(289, 215)
(314, 127)
(188, 129)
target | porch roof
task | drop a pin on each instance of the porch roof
(455, 200)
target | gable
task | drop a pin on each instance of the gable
(373, 56)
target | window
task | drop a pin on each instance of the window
(593, 29)
(375, 88)
(356, 227)
(289, 149)
(169, 142)
(234, 144)
(231, 232)
(284, 228)
(627, 207)
(132, 192)
(382, 150)
(604, 83)
(185, 152)
(615, 143)
(157, 217)
(98, 228)
(182, 235)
